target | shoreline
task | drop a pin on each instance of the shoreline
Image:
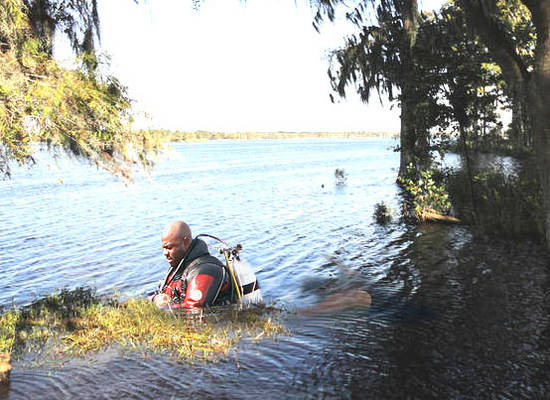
(180, 136)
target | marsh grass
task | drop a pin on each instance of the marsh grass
(77, 323)
(8, 322)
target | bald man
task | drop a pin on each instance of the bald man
(195, 278)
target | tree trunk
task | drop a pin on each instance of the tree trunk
(408, 10)
(540, 102)
(514, 70)
(407, 135)
(521, 135)
(42, 23)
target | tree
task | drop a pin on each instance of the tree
(445, 75)
(533, 85)
(81, 111)
(469, 86)
(382, 57)
(507, 30)
(468, 83)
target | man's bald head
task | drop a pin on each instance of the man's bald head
(176, 239)
(177, 229)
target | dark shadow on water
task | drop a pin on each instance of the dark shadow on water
(4, 389)
(469, 319)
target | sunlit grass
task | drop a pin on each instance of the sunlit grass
(77, 323)
(8, 322)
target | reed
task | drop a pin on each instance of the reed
(8, 322)
(77, 323)
(138, 324)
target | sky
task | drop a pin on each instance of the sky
(233, 66)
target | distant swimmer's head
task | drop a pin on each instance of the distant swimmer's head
(176, 239)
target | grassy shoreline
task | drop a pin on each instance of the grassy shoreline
(180, 136)
(76, 323)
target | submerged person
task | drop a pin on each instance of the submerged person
(195, 278)
(347, 295)
(354, 298)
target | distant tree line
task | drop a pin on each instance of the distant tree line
(175, 135)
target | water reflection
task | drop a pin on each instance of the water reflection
(476, 325)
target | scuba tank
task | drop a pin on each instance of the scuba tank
(248, 283)
(245, 284)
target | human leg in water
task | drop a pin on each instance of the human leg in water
(346, 296)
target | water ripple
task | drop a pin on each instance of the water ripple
(452, 317)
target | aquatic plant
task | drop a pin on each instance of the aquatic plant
(428, 196)
(8, 322)
(382, 213)
(340, 176)
(502, 203)
(77, 322)
(139, 324)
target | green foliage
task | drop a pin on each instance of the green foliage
(8, 322)
(426, 192)
(514, 18)
(12, 22)
(84, 114)
(382, 213)
(370, 59)
(456, 76)
(78, 20)
(463, 78)
(440, 79)
(503, 204)
(451, 79)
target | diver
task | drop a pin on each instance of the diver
(196, 279)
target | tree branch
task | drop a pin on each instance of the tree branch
(480, 14)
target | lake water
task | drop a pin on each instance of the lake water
(452, 316)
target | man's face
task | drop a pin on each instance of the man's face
(174, 248)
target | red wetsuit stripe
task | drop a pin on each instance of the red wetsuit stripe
(197, 289)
